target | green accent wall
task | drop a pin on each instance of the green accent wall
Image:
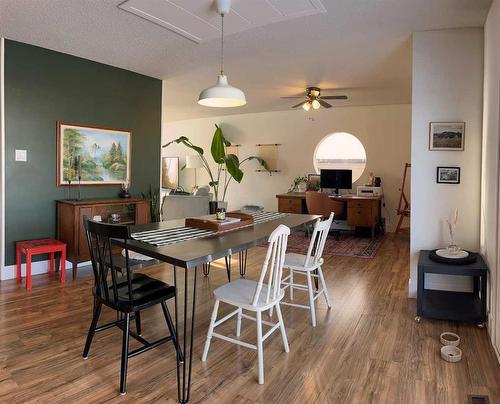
(43, 87)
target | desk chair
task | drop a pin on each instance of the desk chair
(126, 292)
(319, 203)
(255, 297)
(310, 266)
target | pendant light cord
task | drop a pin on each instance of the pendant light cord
(222, 48)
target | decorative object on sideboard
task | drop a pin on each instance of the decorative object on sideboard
(124, 191)
(219, 178)
(222, 95)
(269, 153)
(170, 172)
(299, 184)
(155, 203)
(447, 136)
(452, 248)
(103, 155)
(448, 175)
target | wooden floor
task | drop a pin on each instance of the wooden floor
(366, 349)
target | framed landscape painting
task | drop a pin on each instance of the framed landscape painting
(448, 136)
(448, 175)
(92, 155)
(170, 172)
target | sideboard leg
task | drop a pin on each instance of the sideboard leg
(75, 266)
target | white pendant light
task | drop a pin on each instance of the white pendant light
(222, 95)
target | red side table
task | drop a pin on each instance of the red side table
(44, 246)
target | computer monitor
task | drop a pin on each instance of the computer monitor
(337, 179)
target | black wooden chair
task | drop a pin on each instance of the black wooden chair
(123, 291)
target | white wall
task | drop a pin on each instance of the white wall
(2, 158)
(447, 86)
(383, 130)
(490, 166)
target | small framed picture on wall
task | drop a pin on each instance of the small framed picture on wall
(447, 136)
(448, 175)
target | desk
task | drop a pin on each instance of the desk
(186, 256)
(362, 211)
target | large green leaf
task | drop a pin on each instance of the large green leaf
(186, 142)
(218, 143)
(233, 167)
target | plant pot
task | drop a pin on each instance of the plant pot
(214, 205)
(302, 187)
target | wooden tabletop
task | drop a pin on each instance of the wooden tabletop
(191, 253)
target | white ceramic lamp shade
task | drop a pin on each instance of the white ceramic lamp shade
(222, 95)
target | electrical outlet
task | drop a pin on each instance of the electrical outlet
(21, 155)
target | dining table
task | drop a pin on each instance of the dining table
(187, 249)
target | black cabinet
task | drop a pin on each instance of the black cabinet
(446, 305)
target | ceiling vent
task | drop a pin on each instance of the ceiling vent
(196, 20)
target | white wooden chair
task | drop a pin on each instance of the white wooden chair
(255, 297)
(310, 266)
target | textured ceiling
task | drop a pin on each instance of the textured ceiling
(361, 48)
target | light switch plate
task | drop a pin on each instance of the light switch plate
(21, 155)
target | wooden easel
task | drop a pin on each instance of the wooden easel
(403, 206)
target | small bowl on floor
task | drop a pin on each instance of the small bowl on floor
(449, 338)
(451, 353)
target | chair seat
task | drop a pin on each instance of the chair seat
(241, 292)
(296, 262)
(146, 292)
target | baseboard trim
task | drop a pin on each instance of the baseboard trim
(37, 268)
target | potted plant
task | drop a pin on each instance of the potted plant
(299, 184)
(228, 166)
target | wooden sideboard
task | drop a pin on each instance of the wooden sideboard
(70, 215)
(362, 211)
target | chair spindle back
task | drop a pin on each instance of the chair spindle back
(99, 239)
(318, 240)
(276, 254)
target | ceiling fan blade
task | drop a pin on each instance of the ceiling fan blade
(299, 104)
(334, 97)
(298, 96)
(324, 103)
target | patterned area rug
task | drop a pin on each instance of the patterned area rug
(348, 245)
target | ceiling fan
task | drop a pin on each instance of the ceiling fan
(315, 100)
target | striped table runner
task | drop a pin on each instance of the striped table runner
(174, 235)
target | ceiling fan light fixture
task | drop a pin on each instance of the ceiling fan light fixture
(307, 106)
(315, 104)
(222, 95)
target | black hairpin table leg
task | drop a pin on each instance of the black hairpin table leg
(206, 269)
(228, 259)
(243, 262)
(186, 339)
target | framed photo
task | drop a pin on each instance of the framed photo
(95, 155)
(449, 136)
(170, 172)
(448, 175)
